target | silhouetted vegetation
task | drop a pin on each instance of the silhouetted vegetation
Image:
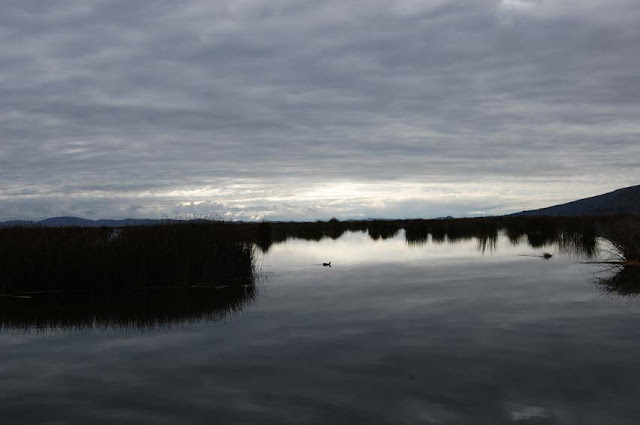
(107, 259)
(56, 267)
(207, 252)
(623, 241)
(624, 236)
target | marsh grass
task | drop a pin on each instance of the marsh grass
(209, 252)
(104, 259)
(624, 236)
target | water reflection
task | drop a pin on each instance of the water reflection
(620, 280)
(395, 332)
(133, 310)
(577, 237)
(382, 230)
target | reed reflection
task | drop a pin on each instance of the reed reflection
(381, 230)
(137, 310)
(622, 280)
(572, 236)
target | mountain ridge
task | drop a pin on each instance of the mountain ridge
(621, 201)
(69, 221)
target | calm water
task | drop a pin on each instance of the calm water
(391, 334)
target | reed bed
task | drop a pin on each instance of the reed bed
(210, 252)
(38, 259)
(624, 236)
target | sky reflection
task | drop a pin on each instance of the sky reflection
(420, 336)
(358, 249)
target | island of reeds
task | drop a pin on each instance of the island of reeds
(138, 276)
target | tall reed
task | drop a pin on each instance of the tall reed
(104, 259)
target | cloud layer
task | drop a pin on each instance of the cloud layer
(306, 109)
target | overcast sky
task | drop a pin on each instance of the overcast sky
(311, 109)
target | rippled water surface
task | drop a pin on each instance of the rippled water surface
(392, 333)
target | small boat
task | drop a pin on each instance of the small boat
(326, 264)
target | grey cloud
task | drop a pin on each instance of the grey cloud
(117, 103)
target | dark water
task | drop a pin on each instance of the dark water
(392, 334)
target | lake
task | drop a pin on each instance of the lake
(391, 333)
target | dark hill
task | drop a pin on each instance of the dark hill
(621, 201)
(82, 222)
(66, 221)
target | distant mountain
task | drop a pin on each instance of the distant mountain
(621, 201)
(82, 222)
(66, 222)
